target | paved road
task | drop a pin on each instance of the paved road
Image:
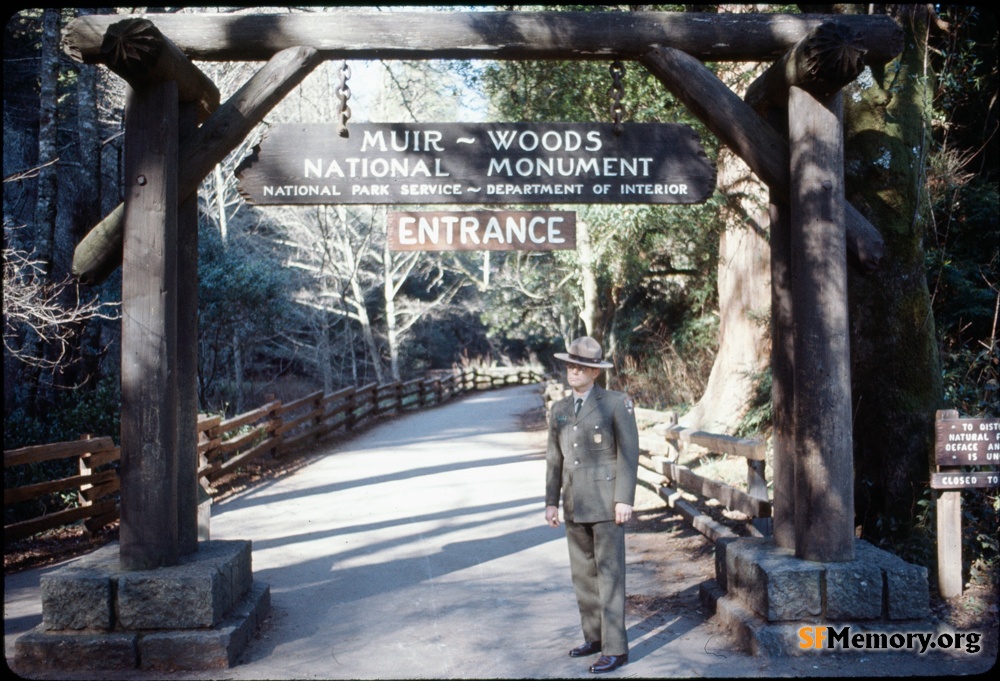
(418, 550)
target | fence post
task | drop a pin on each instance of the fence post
(757, 487)
(318, 418)
(948, 507)
(85, 469)
(275, 420)
(673, 449)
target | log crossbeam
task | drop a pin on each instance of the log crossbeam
(503, 35)
(352, 34)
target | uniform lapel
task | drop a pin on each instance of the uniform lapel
(596, 393)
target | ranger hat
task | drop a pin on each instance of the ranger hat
(585, 351)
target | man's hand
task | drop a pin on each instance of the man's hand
(623, 513)
(552, 516)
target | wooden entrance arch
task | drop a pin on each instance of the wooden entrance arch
(167, 154)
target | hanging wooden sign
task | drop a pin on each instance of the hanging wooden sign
(479, 163)
(482, 230)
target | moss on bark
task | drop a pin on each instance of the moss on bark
(896, 378)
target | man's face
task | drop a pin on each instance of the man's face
(581, 378)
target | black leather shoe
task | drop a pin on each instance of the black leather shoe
(608, 663)
(588, 648)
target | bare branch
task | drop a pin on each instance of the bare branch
(33, 306)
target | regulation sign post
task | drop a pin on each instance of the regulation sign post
(959, 444)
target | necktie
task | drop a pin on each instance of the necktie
(576, 409)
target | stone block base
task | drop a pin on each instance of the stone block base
(199, 614)
(764, 595)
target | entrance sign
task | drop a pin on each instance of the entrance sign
(480, 163)
(482, 231)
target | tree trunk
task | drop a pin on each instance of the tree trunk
(896, 377)
(45, 205)
(86, 206)
(323, 350)
(744, 291)
(590, 313)
(389, 294)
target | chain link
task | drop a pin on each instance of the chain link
(617, 91)
(343, 94)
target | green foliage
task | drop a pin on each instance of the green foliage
(655, 266)
(962, 259)
(963, 245)
(244, 303)
(757, 420)
(74, 413)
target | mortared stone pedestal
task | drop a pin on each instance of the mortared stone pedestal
(764, 595)
(199, 614)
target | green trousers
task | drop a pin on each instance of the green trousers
(597, 563)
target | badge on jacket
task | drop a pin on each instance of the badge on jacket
(629, 406)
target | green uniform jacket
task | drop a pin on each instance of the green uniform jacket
(592, 458)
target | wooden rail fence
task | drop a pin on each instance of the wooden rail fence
(662, 443)
(752, 502)
(224, 445)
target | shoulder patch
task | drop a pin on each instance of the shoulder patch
(629, 405)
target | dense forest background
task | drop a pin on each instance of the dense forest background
(293, 299)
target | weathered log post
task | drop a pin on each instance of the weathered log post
(824, 61)
(148, 535)
(824, 467)
(782, 377)
(187, 359)
(99, 253)
(159, 398)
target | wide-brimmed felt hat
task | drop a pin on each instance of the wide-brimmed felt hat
(585, 351)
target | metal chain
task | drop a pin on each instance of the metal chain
(617, 91)
(343, 94)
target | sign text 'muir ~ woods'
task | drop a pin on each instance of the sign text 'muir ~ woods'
(481, 163)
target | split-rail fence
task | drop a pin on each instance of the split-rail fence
(276, 428)
(224, 445)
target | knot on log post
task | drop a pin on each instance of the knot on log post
(132, 44)
(832, 56)
(138, 51)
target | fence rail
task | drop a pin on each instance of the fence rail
(224, 445)
(662, 443)
(752, 502)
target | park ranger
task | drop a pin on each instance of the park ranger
(591, 463)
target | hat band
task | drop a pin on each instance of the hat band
(583, 360)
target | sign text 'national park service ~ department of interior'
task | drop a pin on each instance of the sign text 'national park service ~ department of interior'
(481, 163)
